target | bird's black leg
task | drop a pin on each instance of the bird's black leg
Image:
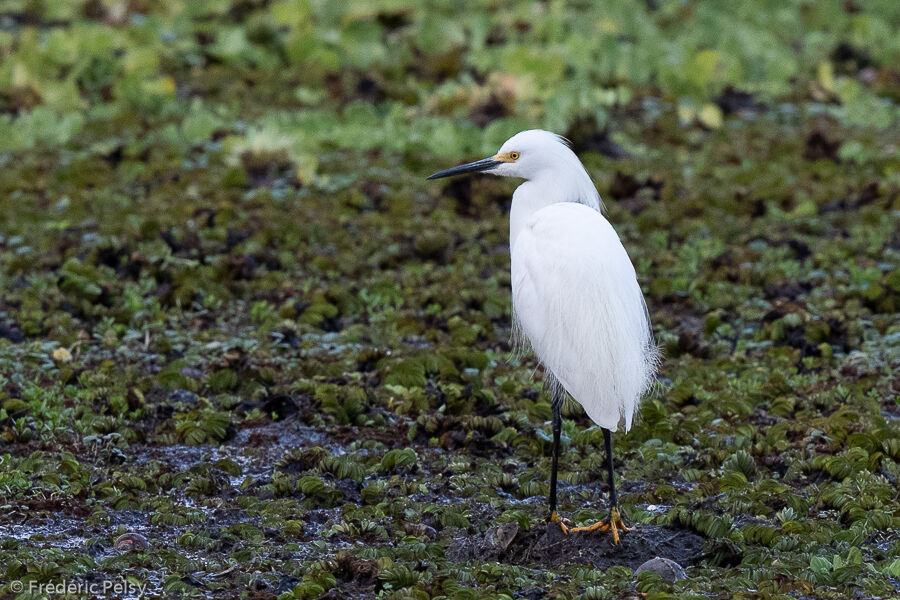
(607, 440)
(557, 431)
(615, 523)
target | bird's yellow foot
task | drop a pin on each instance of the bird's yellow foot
(614, 524)
(563, 523)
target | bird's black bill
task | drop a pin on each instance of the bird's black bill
(484, 164)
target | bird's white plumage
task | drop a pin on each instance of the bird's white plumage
(576, 297)
(577, 300)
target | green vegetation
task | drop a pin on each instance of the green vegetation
(235, 318)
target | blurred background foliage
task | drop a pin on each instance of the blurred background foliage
(306, 76)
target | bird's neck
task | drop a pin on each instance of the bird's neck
(540, 192)
(527, 199)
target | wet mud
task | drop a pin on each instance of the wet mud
(546, 546)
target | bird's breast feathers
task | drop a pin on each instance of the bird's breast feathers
(577, 300)
(573, 231)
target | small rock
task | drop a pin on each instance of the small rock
(505, 534)
(131, 541)
(667, 569)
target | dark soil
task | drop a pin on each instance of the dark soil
(547, 546)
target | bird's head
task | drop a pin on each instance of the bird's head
(545, 160)
(526, 154)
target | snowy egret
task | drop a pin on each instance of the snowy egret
(575, 294)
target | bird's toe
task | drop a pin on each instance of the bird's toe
(614, 525)
(561, 521)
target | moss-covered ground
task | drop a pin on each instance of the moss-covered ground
(237, 323)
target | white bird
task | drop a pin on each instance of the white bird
(575, 294)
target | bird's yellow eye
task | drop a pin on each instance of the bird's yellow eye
(507, 157)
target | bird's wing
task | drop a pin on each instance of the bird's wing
(577, 300)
